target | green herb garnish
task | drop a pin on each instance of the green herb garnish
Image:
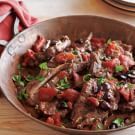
(86, 77)
(101, 80)
(63, 84)
(22, 95)
(18, 80)
(119, 122)
(29, 78)
(43, 66)
(39, 78)
(64, 104)
(75, 52)
(119, 68)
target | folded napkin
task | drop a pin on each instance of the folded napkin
(14, 17)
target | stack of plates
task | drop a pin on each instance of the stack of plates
(126, 6)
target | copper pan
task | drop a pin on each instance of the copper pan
(74, 27)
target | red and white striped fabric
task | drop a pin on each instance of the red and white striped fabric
(14, 17)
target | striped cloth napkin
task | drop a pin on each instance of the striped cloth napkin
(14, 17)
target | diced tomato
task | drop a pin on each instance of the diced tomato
(110, 64)
(63, 74)
(64, 57)
(57, 119)
(93, 101)
(86, 57)
(47, 93)
(125, 93)
(126, 61)
(28, 56)
(70, 95)
(39, 43)
(113, 48)
(50, 120)
(97, 42)
(110, 48)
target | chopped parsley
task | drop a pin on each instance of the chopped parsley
(39, 78)
(43, 66)
(29, 78)
(86, 77)
(18, 80)
(75, 52)
(63, 84)
(64, 104)
(101, 80)
(119, 68)
(22, 95)
(119, 122)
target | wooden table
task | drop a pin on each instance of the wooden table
(13, 122)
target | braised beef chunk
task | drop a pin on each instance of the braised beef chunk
(87, 83)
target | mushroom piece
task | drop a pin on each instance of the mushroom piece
(58, 47)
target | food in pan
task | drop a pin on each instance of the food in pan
(86, 84)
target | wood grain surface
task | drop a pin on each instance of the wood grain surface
(13, 122)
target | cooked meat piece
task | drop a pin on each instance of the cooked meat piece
(79, 66)
(127, 107)
(41, 56)
(95, 65)
(64, 112)
(39, 44)
(78, 80)
(50, 52)
(127, 47)
(59, 47)
(48, 108)
(87, 44)
(111, 98)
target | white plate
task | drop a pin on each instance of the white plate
(127, 2)
(119, 9)
(120, 6)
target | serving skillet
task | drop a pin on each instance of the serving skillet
(74, 27)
